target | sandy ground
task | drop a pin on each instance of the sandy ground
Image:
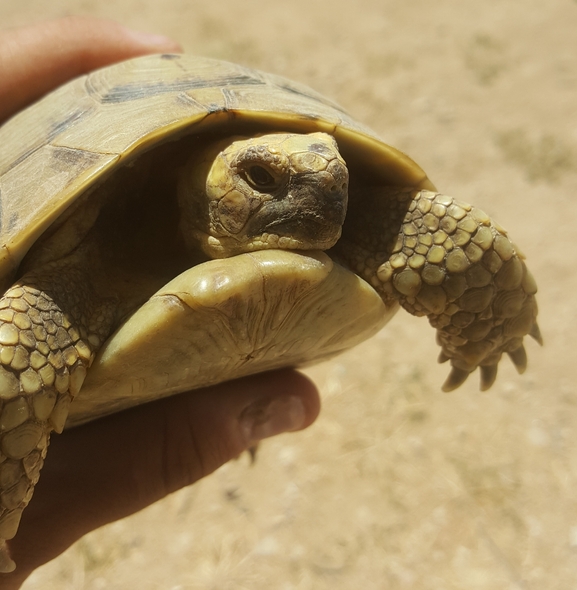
(397, 485)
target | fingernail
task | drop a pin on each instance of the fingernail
(154, 40)
(272, 416)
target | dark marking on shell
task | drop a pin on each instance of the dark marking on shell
(299, 91)
(54, 131)
(71, 119)
(11, 222)
(140, 90)
(63, 159)
(303, 91)
(170, 56)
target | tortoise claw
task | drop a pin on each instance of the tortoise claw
(488, 376)
(535, 333)
(442, 358)
(455, 379)
(252, 451)
(519, 358)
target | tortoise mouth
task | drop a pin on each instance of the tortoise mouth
(310, 232)
(304, 215)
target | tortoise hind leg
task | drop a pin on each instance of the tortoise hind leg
(449, 261)
(50, 329)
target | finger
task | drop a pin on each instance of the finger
(36, 59)
(115, 466)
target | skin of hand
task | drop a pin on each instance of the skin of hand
(113, 467)
(37, 59)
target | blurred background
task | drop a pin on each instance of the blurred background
(397, 485)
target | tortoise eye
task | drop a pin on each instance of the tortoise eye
(260, 177)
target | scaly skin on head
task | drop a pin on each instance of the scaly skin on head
(286, 191)
(447, 260)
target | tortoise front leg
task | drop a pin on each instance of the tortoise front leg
(447, 260)
(51, 324)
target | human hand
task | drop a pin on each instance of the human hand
(108, 469)
(103, 471)
(39, 58)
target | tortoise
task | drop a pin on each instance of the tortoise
(173, 221)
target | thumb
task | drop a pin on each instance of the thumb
(205, 429)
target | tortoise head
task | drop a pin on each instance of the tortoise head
(284, 191)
